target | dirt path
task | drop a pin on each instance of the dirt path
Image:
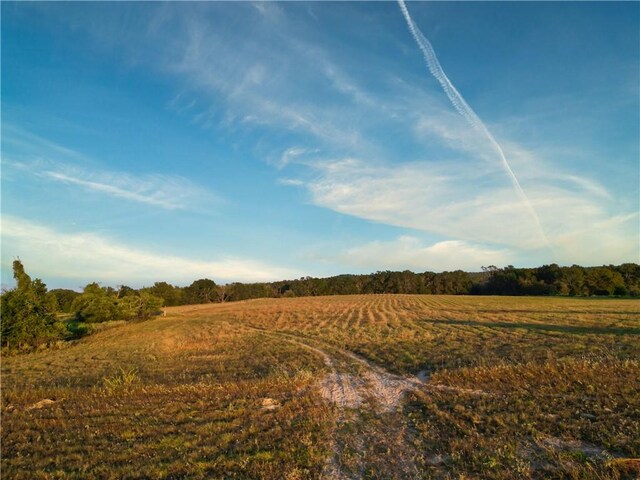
(371, 432)
(348, 387)
(369, 422)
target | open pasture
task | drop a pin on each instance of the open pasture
(384, 386)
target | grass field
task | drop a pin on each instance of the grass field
(385, 386)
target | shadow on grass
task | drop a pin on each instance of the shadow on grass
(544, 326)
(561, 312)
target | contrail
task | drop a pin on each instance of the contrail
(465, 110)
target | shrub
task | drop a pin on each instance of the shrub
(28, 320)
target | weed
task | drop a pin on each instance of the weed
(122, 379)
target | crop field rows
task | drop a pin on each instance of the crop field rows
(384, 386)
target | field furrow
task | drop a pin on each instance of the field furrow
(368, 386)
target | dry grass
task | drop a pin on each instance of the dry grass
(515, 388)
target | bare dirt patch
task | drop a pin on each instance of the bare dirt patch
(368, 431)
(346, 386)
(342, 389)
(41, 404)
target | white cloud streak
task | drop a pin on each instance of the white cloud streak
(291, 92)
(428, 197)
(465, 110)
(261, 81)
(424, 196)
(53, 162)
(294, 153)
(408, 252)
(36, 147)
(164, 191)
(86, 255)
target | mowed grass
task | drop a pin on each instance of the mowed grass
(175, 397)
(526, 388)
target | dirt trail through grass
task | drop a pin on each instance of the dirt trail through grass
(332, 387)
(367, 397)
(356, 379)
(352, 379)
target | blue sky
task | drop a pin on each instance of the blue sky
(261, 141)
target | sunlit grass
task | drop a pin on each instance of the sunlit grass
(518, 388)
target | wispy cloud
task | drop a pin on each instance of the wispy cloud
(280, 85)
(467, 112)
(82, 255)
(262, 80)
(293, 154)
(433, 198)
(164, 191)
(364, 139)
(408, 252)
(40, 157)
(425, 196)
(34, 147)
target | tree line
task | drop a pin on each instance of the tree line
(621, 280)
(31, 314)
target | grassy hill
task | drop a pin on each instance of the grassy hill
(371, 386)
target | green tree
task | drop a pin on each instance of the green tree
(27, 317)
(202, 291)
(63, 298)
(124, 290)
(171, 295)
(96, 304)
(244, 291)
(574, 277)
(603, 281)
(502, 281)
(631, 275)
(139, 306)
